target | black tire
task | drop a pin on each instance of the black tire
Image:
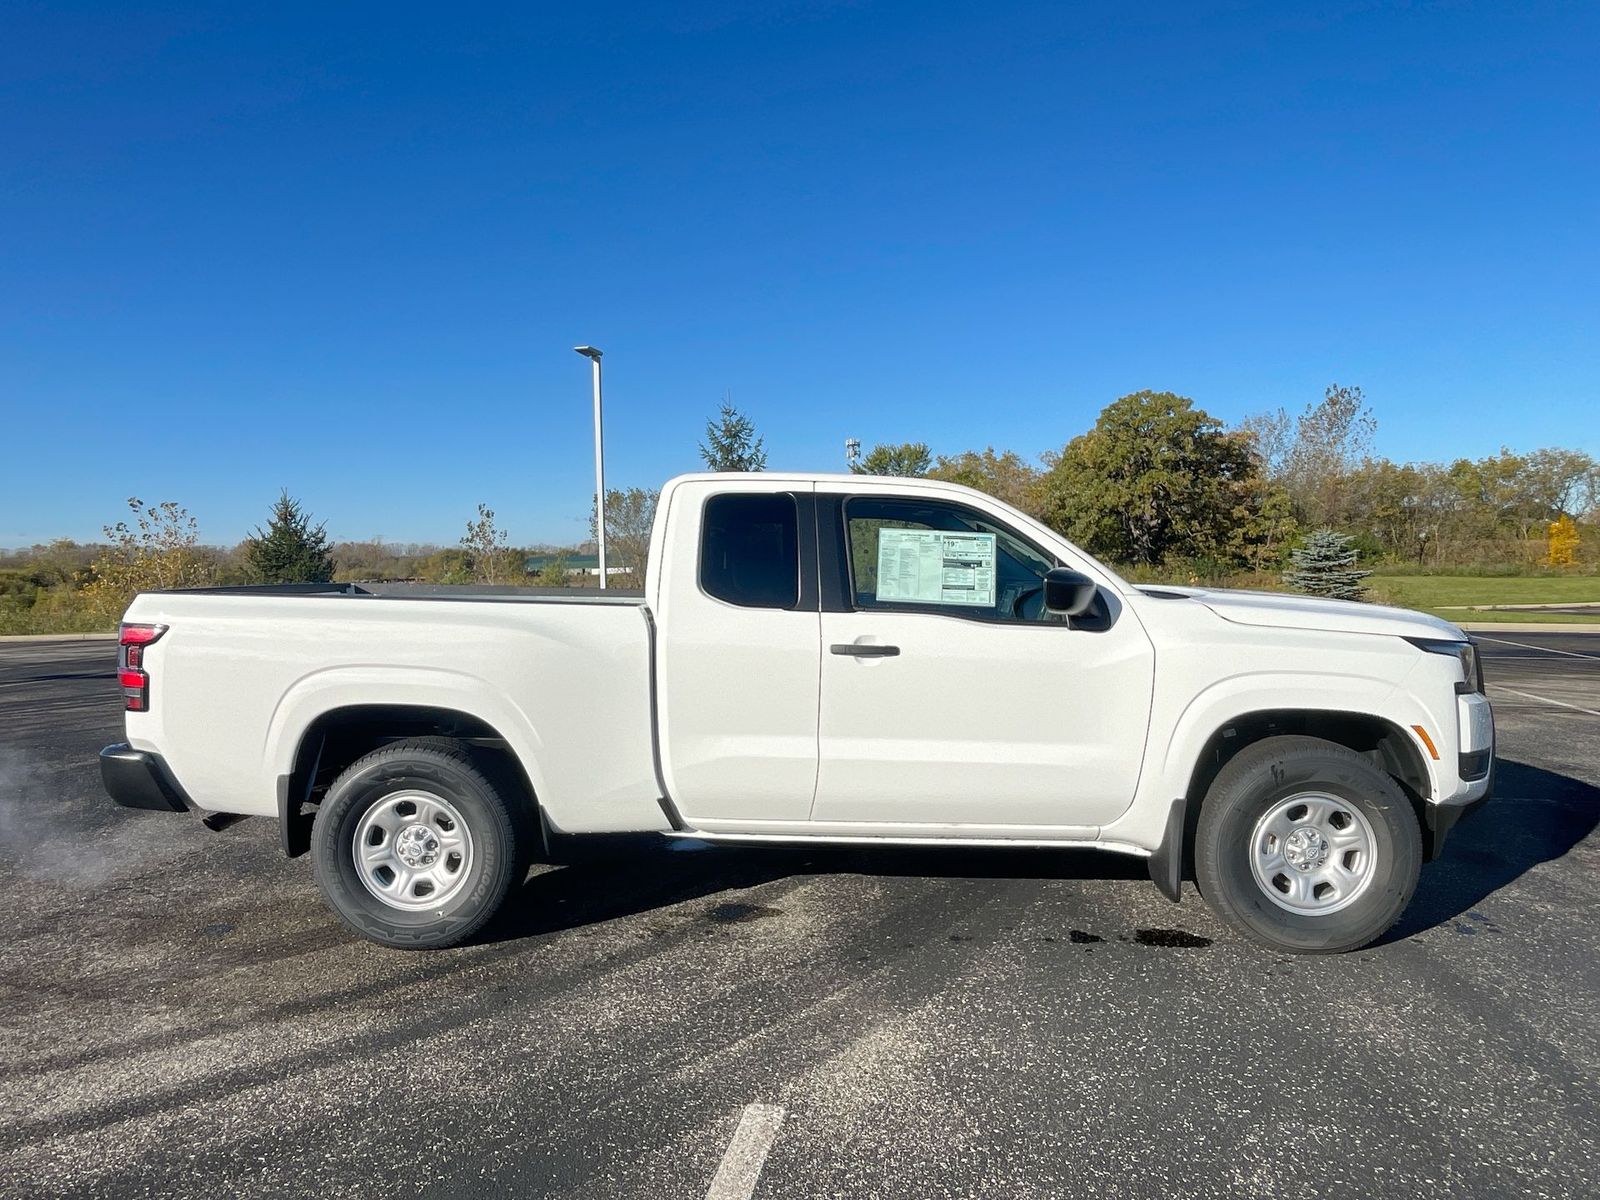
(1259, 778)
(495, 818)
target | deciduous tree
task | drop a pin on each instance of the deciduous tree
(630, 514)
(161, 549)
(1155, 477)
(1327, 441)
(1562, 542)
(1561, 482)
(1006, 476)
(896, 458)
(485, 544)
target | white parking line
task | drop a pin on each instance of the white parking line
(1545, 699)
(747, 1153)
(1531, 646)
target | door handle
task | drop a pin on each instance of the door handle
(864, 650)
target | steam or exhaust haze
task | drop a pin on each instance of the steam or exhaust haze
(48, 834)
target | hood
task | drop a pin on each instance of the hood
(1285, 610)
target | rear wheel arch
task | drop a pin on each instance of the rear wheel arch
(335, 739)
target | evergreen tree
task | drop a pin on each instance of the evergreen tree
(731, 443)
(1325, 566)
(290, 550)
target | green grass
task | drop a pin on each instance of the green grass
(1467, 616)
(1439, 591)
(1453, 596)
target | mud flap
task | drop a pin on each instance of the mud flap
(1166, 863)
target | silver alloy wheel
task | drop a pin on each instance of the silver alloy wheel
(412, 850)
(1312, 853)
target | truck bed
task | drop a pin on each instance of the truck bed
(563, 676)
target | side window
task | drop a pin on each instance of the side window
(749, 550)
(939, 557)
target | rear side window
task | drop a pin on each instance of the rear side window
(750, 550)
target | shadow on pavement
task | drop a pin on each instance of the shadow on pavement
(1537, 816)
(600, 879)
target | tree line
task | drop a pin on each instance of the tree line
(1157, 486)
(1157, 483)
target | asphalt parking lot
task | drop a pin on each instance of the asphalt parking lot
(180, 1016)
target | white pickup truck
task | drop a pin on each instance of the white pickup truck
(829, 659)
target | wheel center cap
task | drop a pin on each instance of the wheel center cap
(416, 846)
(1305, 849)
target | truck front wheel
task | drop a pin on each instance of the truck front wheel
(1306, 846)
(415, 847)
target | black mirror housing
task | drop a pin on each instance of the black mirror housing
(1068, 592)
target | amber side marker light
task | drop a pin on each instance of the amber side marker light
(1427, 741)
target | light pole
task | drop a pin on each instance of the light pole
(593, 356)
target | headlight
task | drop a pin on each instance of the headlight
(1465, 653)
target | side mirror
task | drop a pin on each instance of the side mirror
(1067, 592)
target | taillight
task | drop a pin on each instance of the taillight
(135, 680)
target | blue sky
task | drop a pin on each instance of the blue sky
(346, 249)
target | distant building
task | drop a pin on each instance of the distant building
(577, 564)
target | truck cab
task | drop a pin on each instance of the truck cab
(856, 658)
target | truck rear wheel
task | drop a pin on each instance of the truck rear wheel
(1306, 846)
(415, 846)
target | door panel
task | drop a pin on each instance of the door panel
(988, 711)
(738, 669)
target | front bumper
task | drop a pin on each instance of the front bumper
(140, 779)
(1475, 732)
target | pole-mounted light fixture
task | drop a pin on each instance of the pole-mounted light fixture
(594, 355)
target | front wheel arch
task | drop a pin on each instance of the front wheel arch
(1380, 740)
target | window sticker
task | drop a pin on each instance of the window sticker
(929, 566)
